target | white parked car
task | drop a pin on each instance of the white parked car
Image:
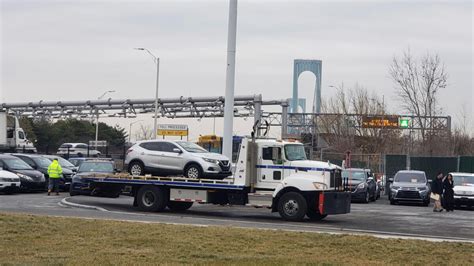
(463, 189)
(166, 157)
(9, 182)
(77, 149)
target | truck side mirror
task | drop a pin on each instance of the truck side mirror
(176, 150)
(390, 180)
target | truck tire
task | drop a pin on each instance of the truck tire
(179, 206)
(292, 206)
(136, 168)
(193, 171)
(152, 198)
(314, 215)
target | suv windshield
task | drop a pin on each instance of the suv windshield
(294, 152)
(410, 177)
(16, 164)
(191, 147)
(462, 180)
(100, 167)
(355, 175)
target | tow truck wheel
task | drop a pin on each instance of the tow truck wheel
(292, 206)
(179, 206)
(151, 198)
(314, 215)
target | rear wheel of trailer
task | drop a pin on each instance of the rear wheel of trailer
(152, 198)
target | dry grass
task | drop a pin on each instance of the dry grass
(28, 239)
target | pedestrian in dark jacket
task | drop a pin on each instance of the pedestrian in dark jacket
(448, 194)
(437, 192)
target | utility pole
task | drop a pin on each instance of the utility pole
(230, 80)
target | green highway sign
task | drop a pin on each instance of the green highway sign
(404, 122)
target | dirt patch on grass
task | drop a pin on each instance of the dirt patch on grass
(28, 239)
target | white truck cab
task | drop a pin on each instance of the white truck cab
(12, 136)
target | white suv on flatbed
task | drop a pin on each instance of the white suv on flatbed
(166, 157)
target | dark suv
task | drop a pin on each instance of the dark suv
(361, 183)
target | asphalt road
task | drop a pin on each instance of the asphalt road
(376, 218)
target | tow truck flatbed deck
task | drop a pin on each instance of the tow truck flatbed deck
(126, 179)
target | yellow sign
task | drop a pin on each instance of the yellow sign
(162, 132)
(172, 130)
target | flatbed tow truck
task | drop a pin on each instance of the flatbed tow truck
(269, 174)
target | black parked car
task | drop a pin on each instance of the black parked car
(30, 179)
(81, 185)
(40, 163)
(361, 183)
(63, 162)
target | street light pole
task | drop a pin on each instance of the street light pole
(130, 130)
(157, 61)
(97, 118)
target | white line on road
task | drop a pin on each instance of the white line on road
(298, 228)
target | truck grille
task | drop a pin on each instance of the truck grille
(408, 194)
(225, 165)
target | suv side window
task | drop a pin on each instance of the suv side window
(167, 147)
(81, 146)
(151, 146)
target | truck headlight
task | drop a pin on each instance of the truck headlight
(320, 186)
(422, 188)
(210, 160)
(395, 188)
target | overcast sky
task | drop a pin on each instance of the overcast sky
(72, 50)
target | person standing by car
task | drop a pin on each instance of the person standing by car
(448, 194)
(437, 191)
(54, 172)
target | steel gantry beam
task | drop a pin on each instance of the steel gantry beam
(181, 107)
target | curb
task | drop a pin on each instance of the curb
(76, 205)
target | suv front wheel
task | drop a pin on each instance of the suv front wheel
(193, 171)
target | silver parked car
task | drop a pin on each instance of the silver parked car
(77, 149)
(166, 157)
(410, 186)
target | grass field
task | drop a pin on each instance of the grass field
(27, 239)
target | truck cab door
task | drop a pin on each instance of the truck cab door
(269, 167)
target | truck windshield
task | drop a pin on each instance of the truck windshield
(410, 178)
(294, 152)
(16, 164)
(462, 180)
(191, 147)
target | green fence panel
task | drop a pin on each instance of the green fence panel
(466, 164)
(394, 163)
(431, 165)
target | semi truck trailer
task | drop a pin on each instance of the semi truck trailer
(269, 173)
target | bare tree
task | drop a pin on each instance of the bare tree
(417, 83)
(144, 133)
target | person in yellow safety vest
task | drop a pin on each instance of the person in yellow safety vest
(54, 172)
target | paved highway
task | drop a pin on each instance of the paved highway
(379, 218)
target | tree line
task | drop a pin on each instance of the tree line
(48, 135)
